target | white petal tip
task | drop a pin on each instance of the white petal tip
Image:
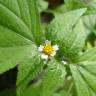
(44, 56)
(47, 42)
(53, 54)
(56, 47)
(40, 48)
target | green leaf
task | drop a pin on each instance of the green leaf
(12, 5)
(89, 65)
(18, 21)
(61, 93)
(88, 72)
(53, 79)
(62, 30)
(94, 30)
(12, 56)
(69, 3)
(9, 38)
(13, 22)
(25, 12)
(76, 4)
(33, 90)
(89, 78)
(76, 35)
(92, 93)
(81, 86)
(68, 20)
(35, 21)
(89, 55)
(42, 5)
(28, 71)
(89, 22)
(22, 17)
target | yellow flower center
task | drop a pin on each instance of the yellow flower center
(48, 49)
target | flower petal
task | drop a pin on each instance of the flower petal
(55, 47)
(40, 48)
(53, 53)
(44, 56)
(48, 42)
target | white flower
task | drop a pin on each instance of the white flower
(47, 50)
